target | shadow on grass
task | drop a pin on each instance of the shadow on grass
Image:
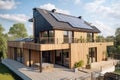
(6, 71)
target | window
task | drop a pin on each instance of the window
(65, 36)
(47, 36)
(65, 33)
(68, 35)
(90, 37)
(51, 33)
(44, 34)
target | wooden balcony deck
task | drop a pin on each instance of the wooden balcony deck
(15, 44)
(43, 47)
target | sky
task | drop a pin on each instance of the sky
(104, 14)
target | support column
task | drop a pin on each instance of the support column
(21, 55)
(62, 55)
(29, 58)
(40, 60)
(70, 57)
(53, 57)
(15, 53)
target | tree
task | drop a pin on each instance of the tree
(100, 39)
(110, 38)
(1, 29)
(3, 43)
(117, 40)
(117, 36)
(18, 31)
(30, 36)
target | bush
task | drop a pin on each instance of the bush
(79, 64)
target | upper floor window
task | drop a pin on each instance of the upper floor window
(90, 37)
(47, 34)
(65, 33)
(51, 33)
(68, 35)
(44, 34)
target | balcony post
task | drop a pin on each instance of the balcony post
(29, 58)
(21, 55)
(40, 60)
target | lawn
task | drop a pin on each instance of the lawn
(6, 74)
(117, 71)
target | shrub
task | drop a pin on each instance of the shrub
(79, 64)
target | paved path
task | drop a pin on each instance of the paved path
(58, 73)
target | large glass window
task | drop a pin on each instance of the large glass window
(65, 33)
(93, 54)
(51, 36)
(68, 35)
(51, 33)
(62, 57)
(47, 36)
(44, 34)
(90, 37)
(65, 36)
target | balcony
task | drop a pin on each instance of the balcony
(53, 40)
(52, 43)
(15, 44)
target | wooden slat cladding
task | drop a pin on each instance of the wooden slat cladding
(33, 46)
(79, 51)
(45, 47)
(15, 44)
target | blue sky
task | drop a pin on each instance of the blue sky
(104, 14)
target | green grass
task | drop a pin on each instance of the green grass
(117, 71)
(7, 74)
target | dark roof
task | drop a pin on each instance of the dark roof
(30, 20)
(56, 24)
(24, 39)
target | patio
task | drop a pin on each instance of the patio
(103, 65)
(57, 73)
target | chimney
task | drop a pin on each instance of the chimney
(53, 10)
(80, 17)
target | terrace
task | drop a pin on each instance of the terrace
(58, 72)
(32, 73)
(55, 43)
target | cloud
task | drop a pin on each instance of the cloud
(105, 16)
(77, 1)
(14, 17)
(98, 7)
(94, 6)
(50, 6)
(105, 29)
(7, 4)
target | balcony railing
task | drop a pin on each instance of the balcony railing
(53, 40)
(47, 40)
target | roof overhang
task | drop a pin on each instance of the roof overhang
(30, 20)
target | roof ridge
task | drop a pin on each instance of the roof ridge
(57, 12)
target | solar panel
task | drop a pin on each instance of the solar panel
(73, 21)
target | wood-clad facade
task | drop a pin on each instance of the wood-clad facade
(56, 45)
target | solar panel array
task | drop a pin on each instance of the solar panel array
(73, 21)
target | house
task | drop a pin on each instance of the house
(58, 39)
